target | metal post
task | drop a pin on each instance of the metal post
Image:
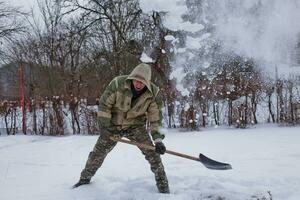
(22, 99)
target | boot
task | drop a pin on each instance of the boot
(164, 190)
(81, 182)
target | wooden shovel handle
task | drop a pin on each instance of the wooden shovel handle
(151, 147)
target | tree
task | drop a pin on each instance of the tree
(11, 24)
(113, 24)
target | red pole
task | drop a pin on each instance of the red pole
(22, 99)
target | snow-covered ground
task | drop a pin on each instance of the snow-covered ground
(265, 160)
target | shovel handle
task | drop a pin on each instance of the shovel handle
(151, 147)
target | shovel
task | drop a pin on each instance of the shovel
(207, 162)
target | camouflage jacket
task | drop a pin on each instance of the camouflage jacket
(116, 109)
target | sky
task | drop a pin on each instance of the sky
(265, 161)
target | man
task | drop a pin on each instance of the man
(125, 107)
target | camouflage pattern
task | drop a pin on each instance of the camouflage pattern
(118, 115)
(104, 145)
(116, 109)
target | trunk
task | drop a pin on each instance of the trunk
(59, 119)
(254, 107)
(182, 125)
(281, 109)
(291, 102)
(8, 130)
(254, 117)
(75, 122)
(270, 108)
(280, 103)
(44, 122)
(14, 122)
(229, 112)
(34, 120)
(292, 112)
(204, 113)
(170, 112)
(216, 113)
(51, 123)
(240, 119)
(246, 112)
(73, 107)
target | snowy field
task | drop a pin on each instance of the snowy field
(265, 161)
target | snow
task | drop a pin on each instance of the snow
(169, 38)
(179, 74)
(264, 158)
(173, 20)
(174, 9)
(186, 107)
(269, 33)
(145, 58)
(206, 65)
(193, 43)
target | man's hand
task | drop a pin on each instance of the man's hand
(159, 146)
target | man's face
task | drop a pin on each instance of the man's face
(138, 85)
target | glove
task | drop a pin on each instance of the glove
(159, 147)
(157, 136)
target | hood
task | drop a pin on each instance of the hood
(142, 73)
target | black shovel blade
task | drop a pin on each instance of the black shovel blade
(212, 164)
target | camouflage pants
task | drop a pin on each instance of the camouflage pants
(104, 145)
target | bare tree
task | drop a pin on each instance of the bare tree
(115, 18)
(11, 24)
